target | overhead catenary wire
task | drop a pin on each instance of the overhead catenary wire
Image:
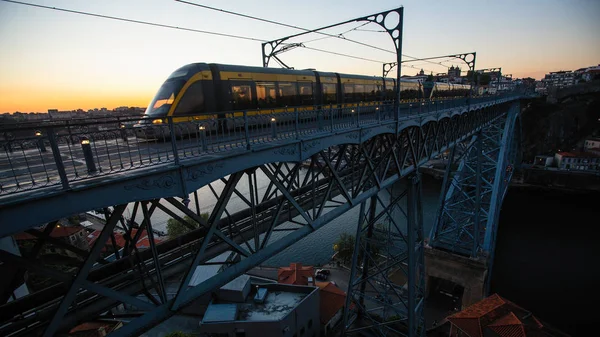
(292, 26)
(136, 21)
(191, 29)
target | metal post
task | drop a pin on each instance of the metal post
(123, 131)
(273, 127)
(88, 155)
(297, 122)
(173, 141)
(40, 141)
(477, 210)
(246, 131)
(413, 226)
(60, 166)
(202, 131)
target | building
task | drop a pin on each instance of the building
(331, 306)
(591, 73)
(559, 79)
(72, 235)
(296, 274)
(453, 72)
(592, 144)
(583, 161)
(267, 310)
(95, 329)
(542, 160)
(120, 241)
(496, 316)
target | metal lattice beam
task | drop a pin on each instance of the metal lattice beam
(295, 203)
(469, 211)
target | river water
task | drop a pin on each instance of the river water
(314, 249)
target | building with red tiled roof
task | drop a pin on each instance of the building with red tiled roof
(95, 329)
(584, 161)
(142, 243)
(72, 235)
(296, 274)
(331, 305)
(496, 316)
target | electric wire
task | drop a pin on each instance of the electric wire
(205, 31)
(135, 21)
(282, 24)
(292, 26)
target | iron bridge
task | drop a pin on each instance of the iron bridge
(314, 165)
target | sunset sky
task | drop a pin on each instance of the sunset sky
(51, 59)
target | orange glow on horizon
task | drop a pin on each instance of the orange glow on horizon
(65, 100)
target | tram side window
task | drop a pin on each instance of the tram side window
(266, 94)
(306, 93)
(287, 94)
(378, 90)
(359, 92)
(329, 93)
(241, 96)
(371, 93)
(348, 93)
(192, 101)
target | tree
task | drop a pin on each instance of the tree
(344, 246)
(175, 228)
(179, 334)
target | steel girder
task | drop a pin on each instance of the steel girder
(470, 206)
(388, 246)
(254, 222)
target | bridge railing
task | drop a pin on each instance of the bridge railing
(59, 153)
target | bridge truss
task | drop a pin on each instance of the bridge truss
(253, 222)
(471, 199)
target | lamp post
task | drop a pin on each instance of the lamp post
(88, 155)
(202, 131)
(273, 127)
(123, 131)
(40, 141)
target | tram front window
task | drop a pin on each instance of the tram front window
(161, 103)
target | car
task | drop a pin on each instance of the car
(324, 271)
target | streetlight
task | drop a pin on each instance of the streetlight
(40, 141)
(88, 155)
(202, 130)
(273, 127)
(123, 131)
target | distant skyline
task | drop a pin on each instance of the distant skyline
(56, 60)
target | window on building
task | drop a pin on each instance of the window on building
(266, 94)
(310, 323)
(302, 331)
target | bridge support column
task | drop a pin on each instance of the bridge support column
(386, 290)
(467, 273)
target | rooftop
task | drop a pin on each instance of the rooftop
(276, 306)
(58, 232)
(279, 302)
(578, 154)
(332, 300)
(295, 274)
(501, 316)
